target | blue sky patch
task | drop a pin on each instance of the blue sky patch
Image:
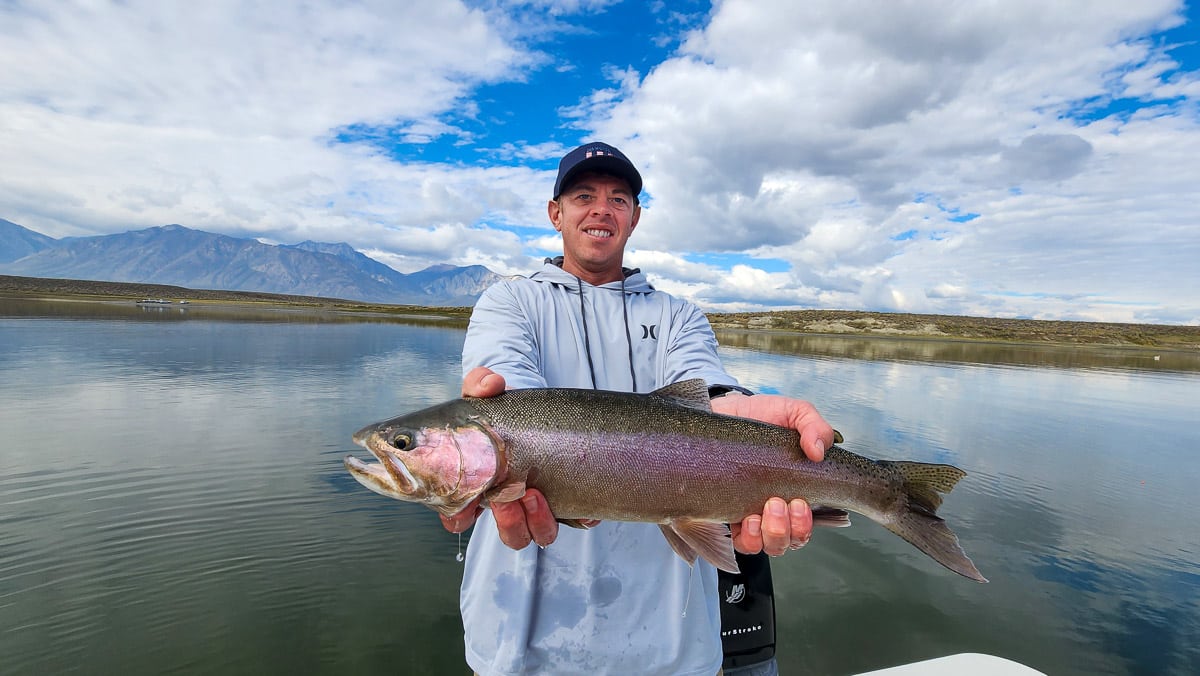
(726, 261)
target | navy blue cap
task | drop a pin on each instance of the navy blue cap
(601, 158)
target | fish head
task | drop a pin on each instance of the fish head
(438, 458)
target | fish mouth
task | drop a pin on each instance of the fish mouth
(373, 476)
(389, 476)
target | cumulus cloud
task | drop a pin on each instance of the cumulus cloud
(228, 117)
(884, 150)
(1019, 158)
(1049, 157)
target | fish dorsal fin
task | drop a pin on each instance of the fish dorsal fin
(692, 393)
(709, 540)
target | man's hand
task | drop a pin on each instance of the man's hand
(482, 382)
(782, 525)
(815, 434)
(521, 521)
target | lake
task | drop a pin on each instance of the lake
(172, 498)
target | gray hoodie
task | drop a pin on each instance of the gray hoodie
(616, 598)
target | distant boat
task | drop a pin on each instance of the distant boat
(161, 302)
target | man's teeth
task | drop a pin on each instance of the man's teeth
(599, 233)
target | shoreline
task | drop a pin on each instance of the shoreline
(853, 323)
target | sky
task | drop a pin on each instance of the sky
(1005, 159)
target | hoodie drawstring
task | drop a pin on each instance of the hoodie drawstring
(628, 338)
(587, 341)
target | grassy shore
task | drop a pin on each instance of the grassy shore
(37, 287)
(837, 322)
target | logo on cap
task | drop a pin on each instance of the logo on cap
(599, 157)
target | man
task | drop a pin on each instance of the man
(614, 598)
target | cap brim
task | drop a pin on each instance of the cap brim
(604, 164)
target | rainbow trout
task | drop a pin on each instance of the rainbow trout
(661, 458)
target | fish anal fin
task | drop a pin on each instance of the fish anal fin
(830, 517)
(582, 524)
(710, 541)
(692, 393)
(508, 492)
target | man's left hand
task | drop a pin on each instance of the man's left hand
(782, 525)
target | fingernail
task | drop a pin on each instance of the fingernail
(754, 526)
(797, 510)
(530, 503)
(777, 508)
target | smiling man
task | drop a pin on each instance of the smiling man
(596, 208)
(614, 598)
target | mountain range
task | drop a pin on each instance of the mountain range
(180, 256)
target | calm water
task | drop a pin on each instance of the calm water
(172, 499)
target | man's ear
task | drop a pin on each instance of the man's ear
(637, 214)
(554, 211)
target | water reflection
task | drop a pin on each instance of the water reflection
(131, 310)
(964, 352)
(1065, 465)
(172, 498)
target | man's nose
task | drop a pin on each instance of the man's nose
(602, 206)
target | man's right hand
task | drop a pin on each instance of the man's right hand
(519, 522)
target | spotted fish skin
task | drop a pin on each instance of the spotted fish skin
(662, 458)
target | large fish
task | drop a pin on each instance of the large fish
(662, 458)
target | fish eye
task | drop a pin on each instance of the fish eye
(401, 441)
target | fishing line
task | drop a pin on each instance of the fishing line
(687, 601)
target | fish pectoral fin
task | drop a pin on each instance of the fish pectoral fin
(830, 517)
(710, 541)
(508, 492)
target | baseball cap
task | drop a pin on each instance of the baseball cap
(599, 157)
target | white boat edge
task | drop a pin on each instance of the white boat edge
(976, 664)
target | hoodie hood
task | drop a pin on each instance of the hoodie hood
(552, 273)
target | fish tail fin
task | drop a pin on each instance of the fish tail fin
(918, 522)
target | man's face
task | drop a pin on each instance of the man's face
(596, 215)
